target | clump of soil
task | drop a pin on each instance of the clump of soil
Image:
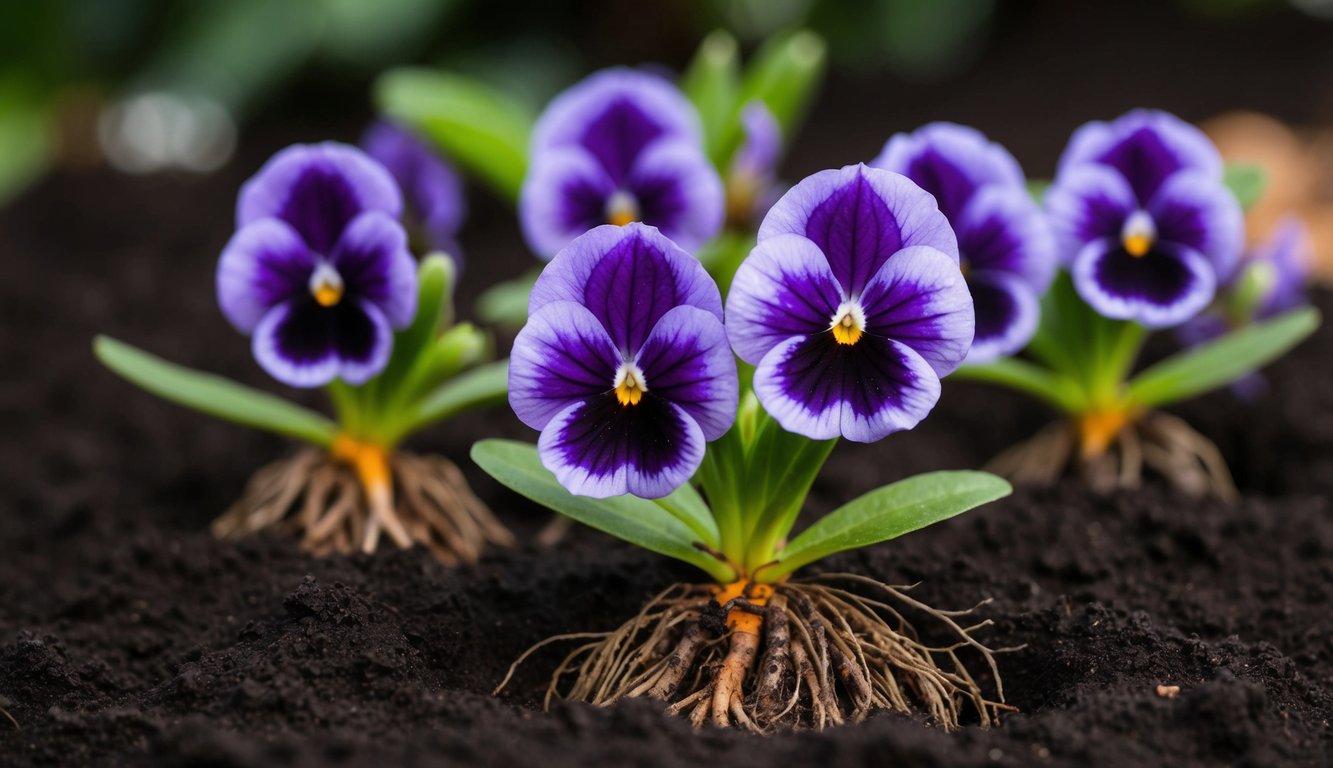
(128, 636)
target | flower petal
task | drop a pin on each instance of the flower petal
(294, 343)
(1146, 147)
(1002, 229)
(375, 265)
(821, 389)
(686, 361)
(598, 447)
(628, 277)
(363, 340)
(1164, 287)
(563, 196)
(318, 189)
(951, 162)
(678, 192)
(1088, 203)
(758, 154)
(561, 356)
(859, 217)
(1007, 312)
(432, 188)
(784, 288)
(1201, 214)
(614, 114)
(919, 298)
(265, 263)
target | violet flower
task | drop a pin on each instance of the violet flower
(752, 180)
(852, 306)
(624, 364)
(620, 146)
(1007, 250)
(318, 271)
(1142, 215)
(432, 190)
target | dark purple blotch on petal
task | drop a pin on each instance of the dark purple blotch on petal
(856, 231)
(602, 436)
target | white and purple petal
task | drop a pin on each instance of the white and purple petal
(859, 217)
(920, 299)
(816, 387)
(373, 261)
(951, 162)
(628, 277)
(264, 264)
(562, 356)
(679, 192)
(784, 288)
(1003, 229)
(614, 115)
(1164, 287)
(1200, 213)
(599, 448)
(318, 189)
(303, 344)
(1289, 252)
(686, 361)
(757, 156)
(564, 195)
(1007, 311)
(1088, 203)
(1146, 147)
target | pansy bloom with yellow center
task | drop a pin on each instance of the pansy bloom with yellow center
(1143, 217)
(434, 205)
(852, 306)
(624, 364)
(622, 146)
(1006, 248)
(318, 272)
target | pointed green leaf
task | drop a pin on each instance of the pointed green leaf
(638, 521)
(506, 304)
(435, 279)
(711, 83)
(1048, 386)
(482, 128)
(687, 506)
(214, 395)
(1246, 182)
(1222, 361)
(888, 512)
(485, 385)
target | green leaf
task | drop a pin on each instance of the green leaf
(723, 255)
(711, 82)
(687, 506)
(485, 385)
(214, 395)
(455, 350)
(638, 521)
(435, 279)
(1048, 386)
(1246, 182)
(784, 74)
(1222, 361)
(506, 304)
(482, 128)
(889, 512)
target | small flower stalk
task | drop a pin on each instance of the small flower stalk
(845, 316)
(1148, 237)
(320, 277)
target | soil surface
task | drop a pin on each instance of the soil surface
(129, 637)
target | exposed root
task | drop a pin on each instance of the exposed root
(348, 500)
(1155, 441)
(797, 655)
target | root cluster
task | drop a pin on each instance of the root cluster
(424, 500)
(816, 654)
(1156, 441)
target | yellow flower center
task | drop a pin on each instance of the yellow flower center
(1138, 234)
(849, 323)
(326, 285)
(630, 385)
(621, 208)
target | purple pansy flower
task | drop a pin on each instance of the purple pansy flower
(1007, 250)
(432, 190)
(1141, 213)
(318, 270)
(752, 181)
(621, 146)
(852, 305)
(624, 364)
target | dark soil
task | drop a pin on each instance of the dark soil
(129, 637)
